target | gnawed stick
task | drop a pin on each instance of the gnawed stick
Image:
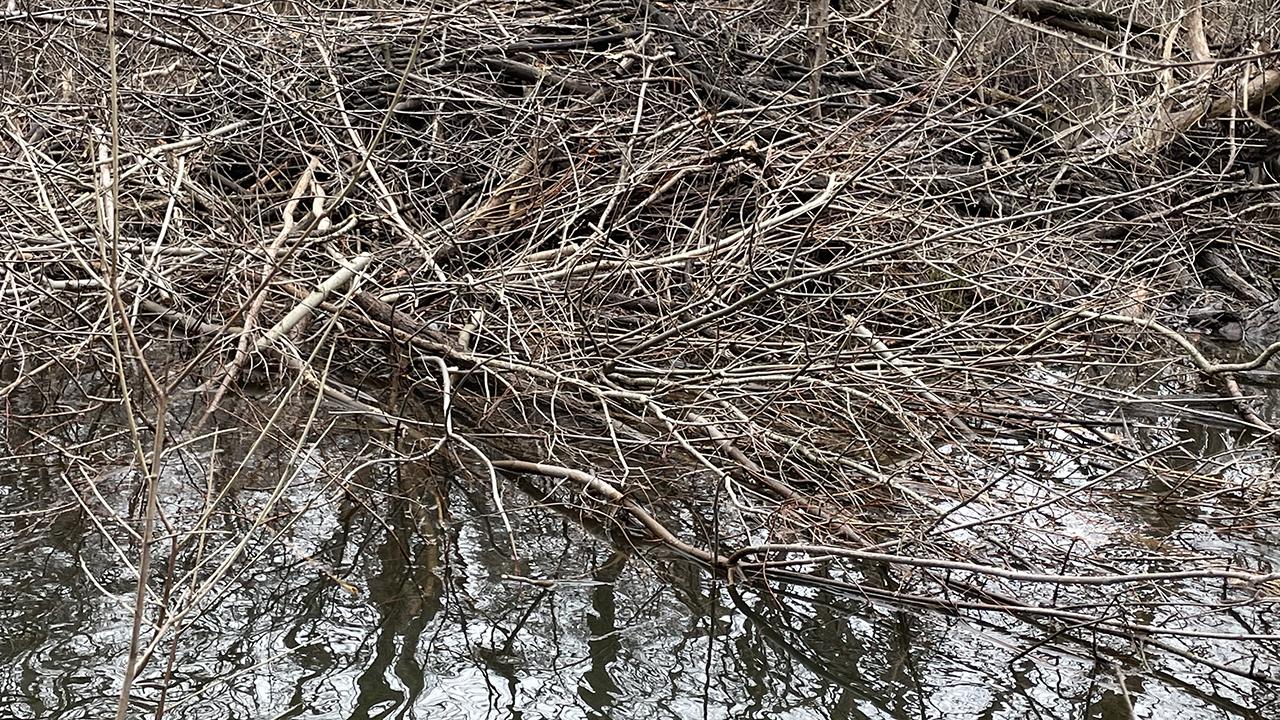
(241, 357)
(884, 353)
(309, 304)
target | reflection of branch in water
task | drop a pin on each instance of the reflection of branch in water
(408, 591)
(821, 665)
(1056, 640)
(597, 688)
(409, 584)
(825, 662)
(1070, 623)
(508, 645)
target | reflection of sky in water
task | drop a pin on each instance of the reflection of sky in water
(436, 632)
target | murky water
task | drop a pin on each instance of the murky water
(357, 586)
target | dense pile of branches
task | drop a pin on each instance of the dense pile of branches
(892, 303)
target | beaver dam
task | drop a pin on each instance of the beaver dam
(640, 359)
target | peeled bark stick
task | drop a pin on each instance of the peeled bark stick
(309, 304)
(888, 356)
(1196, 41)
(1253, 89)
(259, 297)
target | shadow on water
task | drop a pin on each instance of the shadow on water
(393, 596)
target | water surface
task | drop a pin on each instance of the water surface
(374, 587)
